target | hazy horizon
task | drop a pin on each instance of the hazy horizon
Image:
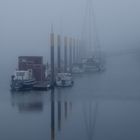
(25, 25)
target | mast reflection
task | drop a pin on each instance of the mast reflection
(59, 109)
(52, 115)
(66, 109)
(90, 111)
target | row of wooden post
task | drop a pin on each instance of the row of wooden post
(73, 55)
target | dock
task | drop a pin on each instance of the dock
(41, 86)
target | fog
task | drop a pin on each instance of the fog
(101, 100)
(25, 26)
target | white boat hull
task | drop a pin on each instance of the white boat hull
(64, 83)
(64, 80)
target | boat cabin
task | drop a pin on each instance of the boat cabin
(23, 75)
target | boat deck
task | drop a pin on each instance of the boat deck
(44, 85)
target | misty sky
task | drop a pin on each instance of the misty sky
(25, 25)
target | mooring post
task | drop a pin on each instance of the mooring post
(59, 53)
(73, 51)
(65, 54)
(70, 54)
(77, 51)
(52, 59)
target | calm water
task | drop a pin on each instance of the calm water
(103, 106)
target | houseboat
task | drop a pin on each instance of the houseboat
(22, 80)
(30, 74)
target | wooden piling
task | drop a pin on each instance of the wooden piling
(73, 51)
(70, 55)
(59, 53)
(65, 54)
(52, 59)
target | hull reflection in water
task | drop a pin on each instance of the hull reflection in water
(27, 102)
(32, 102)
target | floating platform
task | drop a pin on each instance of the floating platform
(41, 86)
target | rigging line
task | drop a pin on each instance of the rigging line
(95, 25)
(96, 31)
(83, 26)
(89, 30)
(85, 15)
(91, 26)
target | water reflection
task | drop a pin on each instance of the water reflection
(62, 105)
(27, 102)
(66, 109)
(90, 110)
(100, 106)
(58, 107)
(52, 115)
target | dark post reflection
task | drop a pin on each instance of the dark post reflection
(52, 115)
(66, 109)
(59, 110)
(70, 106)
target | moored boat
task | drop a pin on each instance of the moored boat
(77, 70)
(91, 65)
(64, 80)
(22, 80)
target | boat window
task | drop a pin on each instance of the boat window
(20, 73)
